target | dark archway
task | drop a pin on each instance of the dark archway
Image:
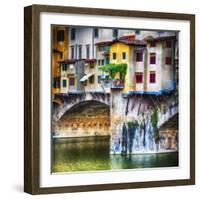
(88, 118)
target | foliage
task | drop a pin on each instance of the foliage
(112, 69)
(106, 79)
(154, 118)
(154, 121)
(132, 124)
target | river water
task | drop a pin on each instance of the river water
(91, 154)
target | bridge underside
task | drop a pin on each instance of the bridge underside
(90, 118)
(171, 124)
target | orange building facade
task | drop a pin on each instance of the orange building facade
(60, 52)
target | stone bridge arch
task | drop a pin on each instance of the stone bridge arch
(86, 118)
(66, 102)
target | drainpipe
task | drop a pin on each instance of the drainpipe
(93, 43)
(174, 64)
(76, 51)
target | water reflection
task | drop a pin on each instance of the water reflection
(93, 153)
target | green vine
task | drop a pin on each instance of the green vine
(154, 121)
(112, 69)
(132, 124)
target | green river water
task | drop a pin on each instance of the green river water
(91, 154)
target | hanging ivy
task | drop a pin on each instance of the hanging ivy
(154, 121)
(132, 124)
(112, 69)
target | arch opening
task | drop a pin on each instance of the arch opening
(88, 118)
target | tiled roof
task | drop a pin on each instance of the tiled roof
(68, 61)
(133, 42)
(71, 61)
(165, 38)
(104, 43)
(161, 38)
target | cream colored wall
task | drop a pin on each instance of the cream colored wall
(154, 87)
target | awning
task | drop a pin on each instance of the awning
(85, 77)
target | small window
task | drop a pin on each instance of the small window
(153, 43)
(114, 56)
(88, 51)
(152, 77)
(102, 62)
(124, 55)
(137, 32)
(168, 44)
(152, 58)
(73, 34)
(91, 79)
(102, 48)
(139, 77)
(168, 60)
(54, 83)
(107, 60)
(64, 83)
(139, 56)
(99, 79)
(80, 51)
(71, 81)
(115, 33)
(72, 52)
(60, 35)
(99, 62)
(96, 32)
(64, 67)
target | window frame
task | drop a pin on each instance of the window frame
(140, 81)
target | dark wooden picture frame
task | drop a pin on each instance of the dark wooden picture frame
(32, 94)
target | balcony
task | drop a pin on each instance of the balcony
(117, 84)
(71, 69)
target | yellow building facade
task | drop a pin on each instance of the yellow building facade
(60, 52)
(123, 53)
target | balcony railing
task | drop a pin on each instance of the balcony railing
(117, 84)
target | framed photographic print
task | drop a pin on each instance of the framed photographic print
(109, 99)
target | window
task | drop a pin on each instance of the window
(123, 55)
(80, 51)
(96, 32)
(73, 34)
(168, 60)
(107, 60)
(56, 83)
(91, 79)
(88, 51)
(115, 33)
(102, 48)
(139, 56)
(64, 83)
(139, 77)
(64, 67)
(137, 32)
(60, 35)
(71, 81)
(168, 44)
(153, 43)
(114, 56)
(152, 77)
(152, 58)
(102, 62)
(72, 52)
(99, 62)
(99, 79)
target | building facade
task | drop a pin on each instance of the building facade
(79, 52)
